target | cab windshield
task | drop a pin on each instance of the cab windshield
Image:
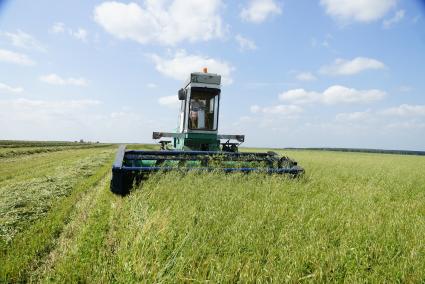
(203, 109)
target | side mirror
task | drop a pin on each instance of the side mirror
(182, 94)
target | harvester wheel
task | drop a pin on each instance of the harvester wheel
(121, 182)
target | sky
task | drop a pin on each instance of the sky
(296, 73)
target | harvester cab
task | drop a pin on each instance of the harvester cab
(198, 118)
(196, 144)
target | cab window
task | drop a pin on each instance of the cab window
(203, 109)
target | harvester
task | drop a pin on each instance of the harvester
(196, 144)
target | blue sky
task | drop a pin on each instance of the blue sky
(329, 73)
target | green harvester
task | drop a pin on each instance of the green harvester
(196, 145)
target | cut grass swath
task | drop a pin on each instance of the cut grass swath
(24, 200)
(27, 248)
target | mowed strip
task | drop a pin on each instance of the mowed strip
(25, 167)
(24, 200)
(30, 247)
(22, 151)
(89, 238)
(83, 238)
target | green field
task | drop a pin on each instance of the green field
(353, 217)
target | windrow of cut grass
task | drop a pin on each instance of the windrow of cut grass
(27, 144)
(26, 198)
(24, 143)
(87, 238)
(20, 168)
(23, 151)
(29, 248)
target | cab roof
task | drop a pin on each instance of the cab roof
(204, 78)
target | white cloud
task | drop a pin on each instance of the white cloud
(28, 119)
(182, 64)
(15, 57)
(259, 10)
(169, 101)
(405, 89)
(333, 95)
(152, 85)
(42, 105)
(306, 76)
(55, 79)
(358, 116)
(357, 10)
(400, 117)
(325, 42)
(398, 16)
(405, 110)
(80, 34)
(166, 22)
(60, 28)
(51, 120)
(255, 109)
(286, 110)
(245, 43)
(300, 96)
(4, 88)
(340, 94)
(414, 125)
(351, 67)
(23, 40)
(57, 28)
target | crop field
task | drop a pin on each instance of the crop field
(354, 217)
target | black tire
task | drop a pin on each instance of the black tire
(121, 182)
